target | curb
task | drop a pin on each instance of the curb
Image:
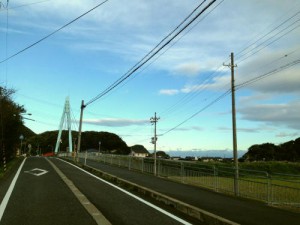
(202, 215)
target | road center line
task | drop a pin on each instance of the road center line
(91, 209)
(133, 196)
(10, 190)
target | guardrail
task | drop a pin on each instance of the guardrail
(275, 189)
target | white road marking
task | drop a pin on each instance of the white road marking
(9, 191)
(91, 209)
(37, 172)
(134, 196)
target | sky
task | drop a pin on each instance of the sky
(185, 83)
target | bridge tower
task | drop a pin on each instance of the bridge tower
(66, 114)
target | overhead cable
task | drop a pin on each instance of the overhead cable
(201, 110)
(237, 87)
(255, 79)
(28, 4)
(270, 40)
(54, 32)
(146, 59)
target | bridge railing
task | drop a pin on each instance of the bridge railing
(276, 189)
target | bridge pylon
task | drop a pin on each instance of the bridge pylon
(66, 114)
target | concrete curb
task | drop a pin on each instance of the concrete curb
(202, 215)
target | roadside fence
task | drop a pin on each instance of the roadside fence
(274, 189)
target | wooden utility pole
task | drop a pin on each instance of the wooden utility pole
(154, 120)
(80, 126)
(235, 153)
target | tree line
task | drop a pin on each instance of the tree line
(11, 124)
(90, 141)
(288, 151)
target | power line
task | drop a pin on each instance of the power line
(289, 31)
(188, 97)
(54, 32)
(265, 35)
(270, 40)
(19, 6)
(239, 86)
(196, 91)
(255, 79)
(172, 44)
(201, 110)
(143, 62)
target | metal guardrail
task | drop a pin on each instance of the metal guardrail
(275, 189)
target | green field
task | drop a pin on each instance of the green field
(272, 191)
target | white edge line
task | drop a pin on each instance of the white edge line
(9, 191)
(132, 195)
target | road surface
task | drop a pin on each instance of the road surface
(51, 191)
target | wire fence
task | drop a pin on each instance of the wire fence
(274, 189)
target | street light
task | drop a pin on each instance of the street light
(26, 114)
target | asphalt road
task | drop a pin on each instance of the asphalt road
(40, 196)
(242, 211)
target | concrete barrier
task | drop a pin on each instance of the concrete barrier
(202, 215)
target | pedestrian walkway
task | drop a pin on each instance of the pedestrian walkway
(242, 211)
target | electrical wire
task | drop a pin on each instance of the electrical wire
(185, 99)
(137, 67)
(273, 41)
(19, 6)
(237, 87)
(201, 110)
(255, 79)
(172, 44)
(54, 32)
(239, 54)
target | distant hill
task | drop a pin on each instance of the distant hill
(205, 153)
(26, 132)
(107, 142)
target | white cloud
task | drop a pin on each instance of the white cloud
(247, 130)
(286, 114)
(285, 134)
(250, 99)
(221, 83)
(113, 122)
(188, 69)
(168, 92)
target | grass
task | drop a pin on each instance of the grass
(270, 167)
(9, 166)
(271, 191)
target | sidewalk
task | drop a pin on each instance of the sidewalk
(239, 210)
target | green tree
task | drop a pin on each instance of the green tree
(11, 124)
(162, 154)
(288, 151)
(110, 143)
(263, 152)
(139, 148)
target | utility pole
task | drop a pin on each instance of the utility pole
(80, 126)
(154, 120)
(235, 154)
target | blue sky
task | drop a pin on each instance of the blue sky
(87, 56)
